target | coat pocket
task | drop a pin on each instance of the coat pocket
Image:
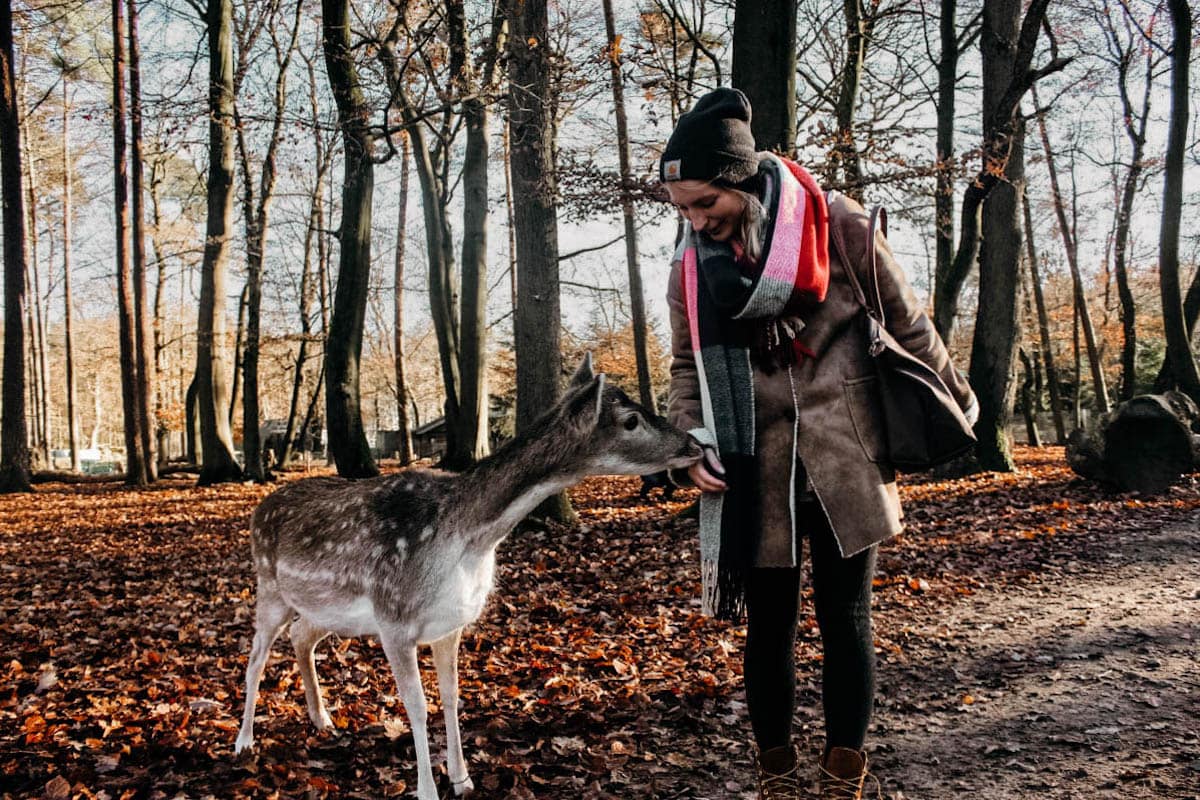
(866, 414)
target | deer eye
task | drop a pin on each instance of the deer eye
(631, 422)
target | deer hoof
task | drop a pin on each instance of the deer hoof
(465, 786)
(322, 721)
(243, 746)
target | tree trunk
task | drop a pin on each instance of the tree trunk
(845, 160)
(1135, 129)
(239, 347)
(1056, 405)
(347, 438)
(308, 280)
(405, 430)
(143, 336)
(161, 432)
(637, 299)
(997, 326)
(536, 323)
(764, 67)
(216, 441)
(135, 467)
(14, 445)
(943, 203)
(258, 224)
(36, 320)
(999, 136)
(68, 311)
(1067, 229)
(472, 436)
(1179, 350)
(1028, 403)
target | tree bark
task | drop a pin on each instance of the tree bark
(257, 217)
(135, 467)
(997, 326)
(1028, 403)
(143, 336)
(1135, 123)
(944, 192)
(404, 428)
(536, 323)
(347, 438)
(845, 160)
(36, 319)
(1067, 230)
(1179, 350)
(216, 441)
(68, 311)
(999, 136)
(473, 423)
(239, 347)
(764, 67)
(14, 445)
(1056, 405)
(637, 299)
(310, 276)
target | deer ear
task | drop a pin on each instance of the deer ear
(584, 404)
(583, 373)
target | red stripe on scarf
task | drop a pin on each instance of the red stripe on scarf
(812, 273)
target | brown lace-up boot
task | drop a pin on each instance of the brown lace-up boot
(779, 774)
(842, 773)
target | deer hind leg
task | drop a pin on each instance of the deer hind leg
(305, 637)
(402, 656)
(445, 657)
(270, 615)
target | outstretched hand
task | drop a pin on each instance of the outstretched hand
(708, 473)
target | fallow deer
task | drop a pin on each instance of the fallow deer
(409, 557)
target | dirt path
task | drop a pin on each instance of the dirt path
(1080, 681)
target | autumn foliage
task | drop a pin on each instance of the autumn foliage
(127, 616)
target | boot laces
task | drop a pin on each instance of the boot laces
(779, 787)
(835, 787)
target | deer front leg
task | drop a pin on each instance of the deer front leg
(445, 657)
(305, 637)
(269, 617)
(401, 654)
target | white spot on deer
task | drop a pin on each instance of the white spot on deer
(426, 533)
(402, 547)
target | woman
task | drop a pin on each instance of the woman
(771, 372)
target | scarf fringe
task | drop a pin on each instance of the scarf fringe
(723, 592)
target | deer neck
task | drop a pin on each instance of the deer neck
(505, 487)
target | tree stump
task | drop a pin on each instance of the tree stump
(1145, 444)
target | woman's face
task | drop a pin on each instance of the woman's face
(710, 209)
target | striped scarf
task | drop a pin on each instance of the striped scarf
(741, 316)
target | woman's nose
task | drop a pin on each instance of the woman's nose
(699, 222)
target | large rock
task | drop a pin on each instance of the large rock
(1144, 444)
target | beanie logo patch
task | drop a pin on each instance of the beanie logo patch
(672, 169)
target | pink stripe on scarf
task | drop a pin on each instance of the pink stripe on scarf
(783, 259)
(688, 276)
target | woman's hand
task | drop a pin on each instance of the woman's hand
(707, 473)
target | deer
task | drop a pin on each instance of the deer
(410, 556)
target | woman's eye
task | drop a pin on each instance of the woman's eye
(631, 422)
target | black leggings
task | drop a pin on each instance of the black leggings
(842, 598)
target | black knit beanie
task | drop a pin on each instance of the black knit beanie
(712, 141)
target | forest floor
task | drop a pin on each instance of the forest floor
(1037, 637)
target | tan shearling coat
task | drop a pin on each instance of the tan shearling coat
(839, 438)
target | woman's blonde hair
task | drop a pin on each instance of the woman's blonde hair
(751, 228)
